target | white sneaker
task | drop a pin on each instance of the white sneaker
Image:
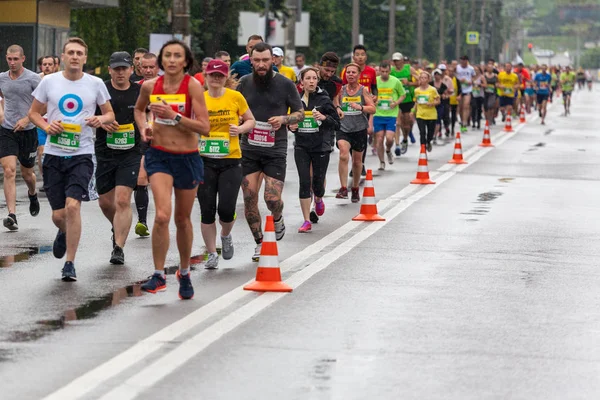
(212, 262)
(390, 157)
(257, 250)
(227, 247)
(279, 229)
(381, 165)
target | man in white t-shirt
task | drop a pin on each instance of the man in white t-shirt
(465, 74)
(71, 98)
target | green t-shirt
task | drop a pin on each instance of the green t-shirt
(387, 93)
(567, 80)
(404, 73)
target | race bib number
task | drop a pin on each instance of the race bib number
(122, 139)
(346, 105)
(175, 101)
(490, 88)
(508, 91)
(262, 135)
(544, 85)
(384, 104)
(214, 147)
(422, 99)
(309, 124)
(476, 92)
(69, 139)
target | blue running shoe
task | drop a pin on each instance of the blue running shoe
(412, 137)
(157, 283)
(68, 272)
(397, 151)
(186, 290)
(59, 248)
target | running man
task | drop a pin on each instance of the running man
(508, 85)
(404, 123)
(71, 98)
(465, 74)
(18, 136)
(284, 70)
(264, 149)
(567, 83)
(118, 153)
(542, 83)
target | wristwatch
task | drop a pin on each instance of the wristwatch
(177, 119)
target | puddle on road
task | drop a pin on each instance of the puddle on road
(482, 204)
(549, 131)
(24, 254)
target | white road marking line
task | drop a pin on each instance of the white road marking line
(111, 368)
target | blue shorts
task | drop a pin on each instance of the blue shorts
(506, 101)
(529, 92)
(384, 124)
(186, 169)
(41, 137)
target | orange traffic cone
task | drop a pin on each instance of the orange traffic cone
(457, 158)
(522, 119)
(487, 142)
(422, 170)
(368, 208)
(508, 125)
(268, 274)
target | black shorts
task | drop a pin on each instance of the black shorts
(117, 170)
(542, 98)
(407, 107)
(506, 101)
(67, 177)
(186, 169)
(490, 101)
(272, 166)
(22, 144)
(357, 140)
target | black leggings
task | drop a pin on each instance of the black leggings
(320, 162)
(222, 177)
(453, 115)
(426, 129)
(476, 109)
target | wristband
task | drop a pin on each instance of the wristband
(362, 108)
(48, 128)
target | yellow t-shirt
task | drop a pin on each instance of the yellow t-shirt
(454, 98)
(288, 72)
(422, 99)
(509, 80)
(223, 111)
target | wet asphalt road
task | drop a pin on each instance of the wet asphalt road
(484, 285)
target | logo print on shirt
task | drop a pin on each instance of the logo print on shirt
(70, 105)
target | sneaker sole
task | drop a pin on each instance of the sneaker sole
(159, 289)
(117, 261)
(185, 298)
(69, 279)
(10, 225)
(227, 256)
(255, 259)
(211, 267)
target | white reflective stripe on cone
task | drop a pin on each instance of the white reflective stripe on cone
(268, 262)
(457, 151)
(369, 200)
(269, 237)
(368, 183)
(422, 168)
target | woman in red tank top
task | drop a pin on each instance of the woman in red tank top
(173, 162)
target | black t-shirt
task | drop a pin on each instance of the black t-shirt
(265, 103)
(331, 86)
(135, 77)
(123, 104)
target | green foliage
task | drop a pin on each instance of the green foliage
(591, 58)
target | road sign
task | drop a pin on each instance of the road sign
(472, 37)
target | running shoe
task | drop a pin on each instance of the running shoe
(463, 129)
(342, 193)
(320, 207)
(404, 147)
(68, 272)
(59, 248)
(186, 290)
(279, 229)
(141, 229)
(398, 151)
(382, 165)
(429, 146)
(257, 251)
(227, 247)
(306, 227)
(355, 195)
(212, 262)
(412, 137)
(117, 257)
(314, 218)
(390, 157)
(373, 151)
(157, 283)
(10, 222)
(34, 205)
(363, 172)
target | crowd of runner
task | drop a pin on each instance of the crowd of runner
(204, 131)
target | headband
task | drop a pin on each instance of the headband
(329, 64)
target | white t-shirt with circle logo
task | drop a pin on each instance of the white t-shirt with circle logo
(72, 102)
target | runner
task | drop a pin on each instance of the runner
(173, 161)
(286, 71)
(221, 155)
(71, 98)
(56, 63)
(554, 83)
(404, 123)
(508, 85)
(356, 104)
(223, 56)
(138, 74)
(465, 74)
(118, 153)
(47, 66)
(300, 62)
(243, 67)
(454, 98)
(391, 94)
(312, 148)
(524, 78)
(149, 67)
(588, 79)
(440, 86)
(18, 136)
(427, 98)
(445, 104)
(542, 83)
(567, 83)
(264, 149)
(580, 78)
(477, 98)
(490, 94)
(329, 81)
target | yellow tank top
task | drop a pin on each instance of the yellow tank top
(453, 99)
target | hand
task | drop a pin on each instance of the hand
(234, 130)
(340, 113)
(113, 127)
(276, 122)
(147, 134)
(162, 110)
(94, 121)
(370, 128)
(21, 124)
(318, 116)
(293, 127)
(355, 106)
(55, 128)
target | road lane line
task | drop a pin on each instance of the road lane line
(120, 363)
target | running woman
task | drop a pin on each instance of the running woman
(173, 162)
(264, 149)
(427, 99)
(356, 104)
(312, 148)
(221, 155)
(440, 86)
(542, 83)
(18, 136)
(71, 98)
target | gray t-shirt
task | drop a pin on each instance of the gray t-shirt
(17, 96)
(275, 100)
(354, 120)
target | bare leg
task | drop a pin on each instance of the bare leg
(123, 214)
(273, 190)
(73, 212)
(305, 207)
(184, 201)
(250, 188)
(343, 164)
(163, 188)
(356, 167)
(28, 175)
(9, 165)
(379, 145)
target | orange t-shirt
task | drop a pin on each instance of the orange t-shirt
(200, 78)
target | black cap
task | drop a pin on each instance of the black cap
(120, 59)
